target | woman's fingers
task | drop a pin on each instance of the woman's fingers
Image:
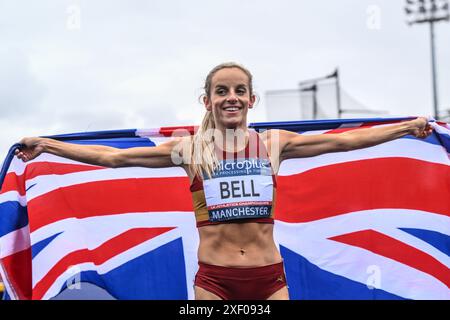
(21, 155)
(426, 133)
(423, 129)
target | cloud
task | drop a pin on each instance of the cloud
(21, 91)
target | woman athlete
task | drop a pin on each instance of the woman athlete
(232, 171)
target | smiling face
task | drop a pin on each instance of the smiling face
(229, 98)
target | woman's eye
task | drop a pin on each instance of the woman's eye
(220, 91)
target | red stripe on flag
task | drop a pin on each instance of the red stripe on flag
(336, 189)
(341, 130)
(14, 182)
(110, 197)
(391, 248)
(44, 168)
(18, 270)
(169, 131)
(98, 256)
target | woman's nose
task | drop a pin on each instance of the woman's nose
(232, 97)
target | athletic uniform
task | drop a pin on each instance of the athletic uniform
(241, 189)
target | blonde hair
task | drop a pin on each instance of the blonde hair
(203, 155)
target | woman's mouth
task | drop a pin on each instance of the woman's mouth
(233, 109)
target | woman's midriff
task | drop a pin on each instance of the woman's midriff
(246, 244)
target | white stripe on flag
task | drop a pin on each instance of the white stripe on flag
(14, 241)
(405, 148)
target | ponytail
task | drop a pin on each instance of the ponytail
(203, 155)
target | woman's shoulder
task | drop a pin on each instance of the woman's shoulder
(275, 141)
(184, 140)
(273, 134)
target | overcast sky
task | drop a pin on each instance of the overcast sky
(71, 65)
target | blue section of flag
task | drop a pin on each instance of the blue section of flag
(121, 143)
(13, 216)
(7, 162)
(306, 281)
(444, 140)
(37, 247)
(433, 139)
(5, 295)
(106, 134)
(438, 240)
(30, 186)
(157, 275)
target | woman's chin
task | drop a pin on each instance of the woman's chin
(232, 123)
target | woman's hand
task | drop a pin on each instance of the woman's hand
(30, 150)
(420, 128)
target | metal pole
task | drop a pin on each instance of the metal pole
(338, 94)
(314, 90)
(433, 70)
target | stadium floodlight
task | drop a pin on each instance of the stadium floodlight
(429, 11)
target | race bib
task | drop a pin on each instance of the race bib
(239, 189)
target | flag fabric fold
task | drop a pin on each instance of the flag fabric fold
(365, 224)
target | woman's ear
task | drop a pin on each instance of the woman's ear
(207, 103)
(252, 101)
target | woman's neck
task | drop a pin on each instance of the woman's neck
(231, 139)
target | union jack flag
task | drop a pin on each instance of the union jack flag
(365, 224)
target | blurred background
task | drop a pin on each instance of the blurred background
(77, 65)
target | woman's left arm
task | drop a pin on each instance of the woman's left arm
(363, 138)
(296, 146)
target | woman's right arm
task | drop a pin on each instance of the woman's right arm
(153, 157)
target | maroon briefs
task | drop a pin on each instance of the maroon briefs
(230, 283)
